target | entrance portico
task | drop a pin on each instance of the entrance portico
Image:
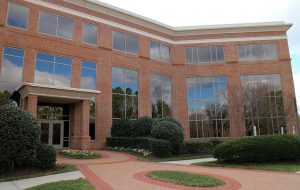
(63, 113)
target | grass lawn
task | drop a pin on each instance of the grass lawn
(33, 172)
(65, 185)
(184, 178)
(280, 167)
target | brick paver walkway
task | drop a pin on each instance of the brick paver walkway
(123, 172)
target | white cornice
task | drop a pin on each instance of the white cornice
(235, 28)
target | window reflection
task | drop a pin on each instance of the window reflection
(90, 34)
(53, 70)
(92, 126)
(124, 42)
(161, 96)
(124, 93)
(159, 52)
(204, 54)
(88, 75)
(263, 104)
(56, 25)
(208, 107)
(252, 52)
(17, 15)
(12, 66)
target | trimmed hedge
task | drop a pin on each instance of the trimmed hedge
(142, 127)
(129, 142)
(19, 138)
(171, 132)
(268, 148)
(198, 147)
(45, 156)
(121, 128)
(216, 141)
(170, 119)
(161, 148)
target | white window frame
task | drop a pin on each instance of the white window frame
(137, 53)
(160, 53)
(87, 23)
(207, 62)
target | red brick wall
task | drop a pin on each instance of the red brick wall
(105, 57)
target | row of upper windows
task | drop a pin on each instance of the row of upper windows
(63, 27)
(49, 69)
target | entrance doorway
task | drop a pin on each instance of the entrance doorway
(52, 133)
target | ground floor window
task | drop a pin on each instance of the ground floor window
(263, 104)
(124, 93)
(92, 126)
(208, 107)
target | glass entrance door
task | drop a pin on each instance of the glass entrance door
(52, 133)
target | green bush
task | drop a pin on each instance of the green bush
(216, 141)
(198, 147)
(170, 119)
(269, 148)
(19, 138)
(142, 127)
(45, 156)
(161, 148)
(121, 128)
(129, 142)
(171, 132)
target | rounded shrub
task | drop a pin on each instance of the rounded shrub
(19, 138)
(121, 128)
(142, 127)
(268, 148)
(171, 132)
(170, 119)
(198, 147)
(160, 148)
(215, 141)
(45, 156)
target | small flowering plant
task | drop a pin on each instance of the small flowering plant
(144, 152)
(79, 154)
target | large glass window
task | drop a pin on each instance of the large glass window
(17, 15)
(124, 42)
(11, 73)
(53, 70)
(159, 51)
(204, 54)
(161, 96)
(90, 34)
(252, 52)
(56, 25)
(208, 107)
(263, 104)
(88, 75)
(124, 93)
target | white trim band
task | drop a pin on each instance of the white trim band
(147, 34)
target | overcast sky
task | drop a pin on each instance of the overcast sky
(208, 12)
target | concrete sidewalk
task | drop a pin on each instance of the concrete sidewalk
(189, 162)
(31, 182)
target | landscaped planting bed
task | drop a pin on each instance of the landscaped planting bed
(79, 154)
(185, 178)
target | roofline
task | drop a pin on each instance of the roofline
(282, 24)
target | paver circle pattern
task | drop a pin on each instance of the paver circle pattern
(230, 184)
(122, 171)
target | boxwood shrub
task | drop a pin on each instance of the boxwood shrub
(268, 148)
(19, 138)
(121, 128)
(171, 132)
(45, 156)
(161, 148)
(198, 147)
(129, 142)
(142, 127)
(170, 119)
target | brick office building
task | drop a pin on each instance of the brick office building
(76, 65)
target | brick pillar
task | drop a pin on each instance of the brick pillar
(80, 115)
(31, 106)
